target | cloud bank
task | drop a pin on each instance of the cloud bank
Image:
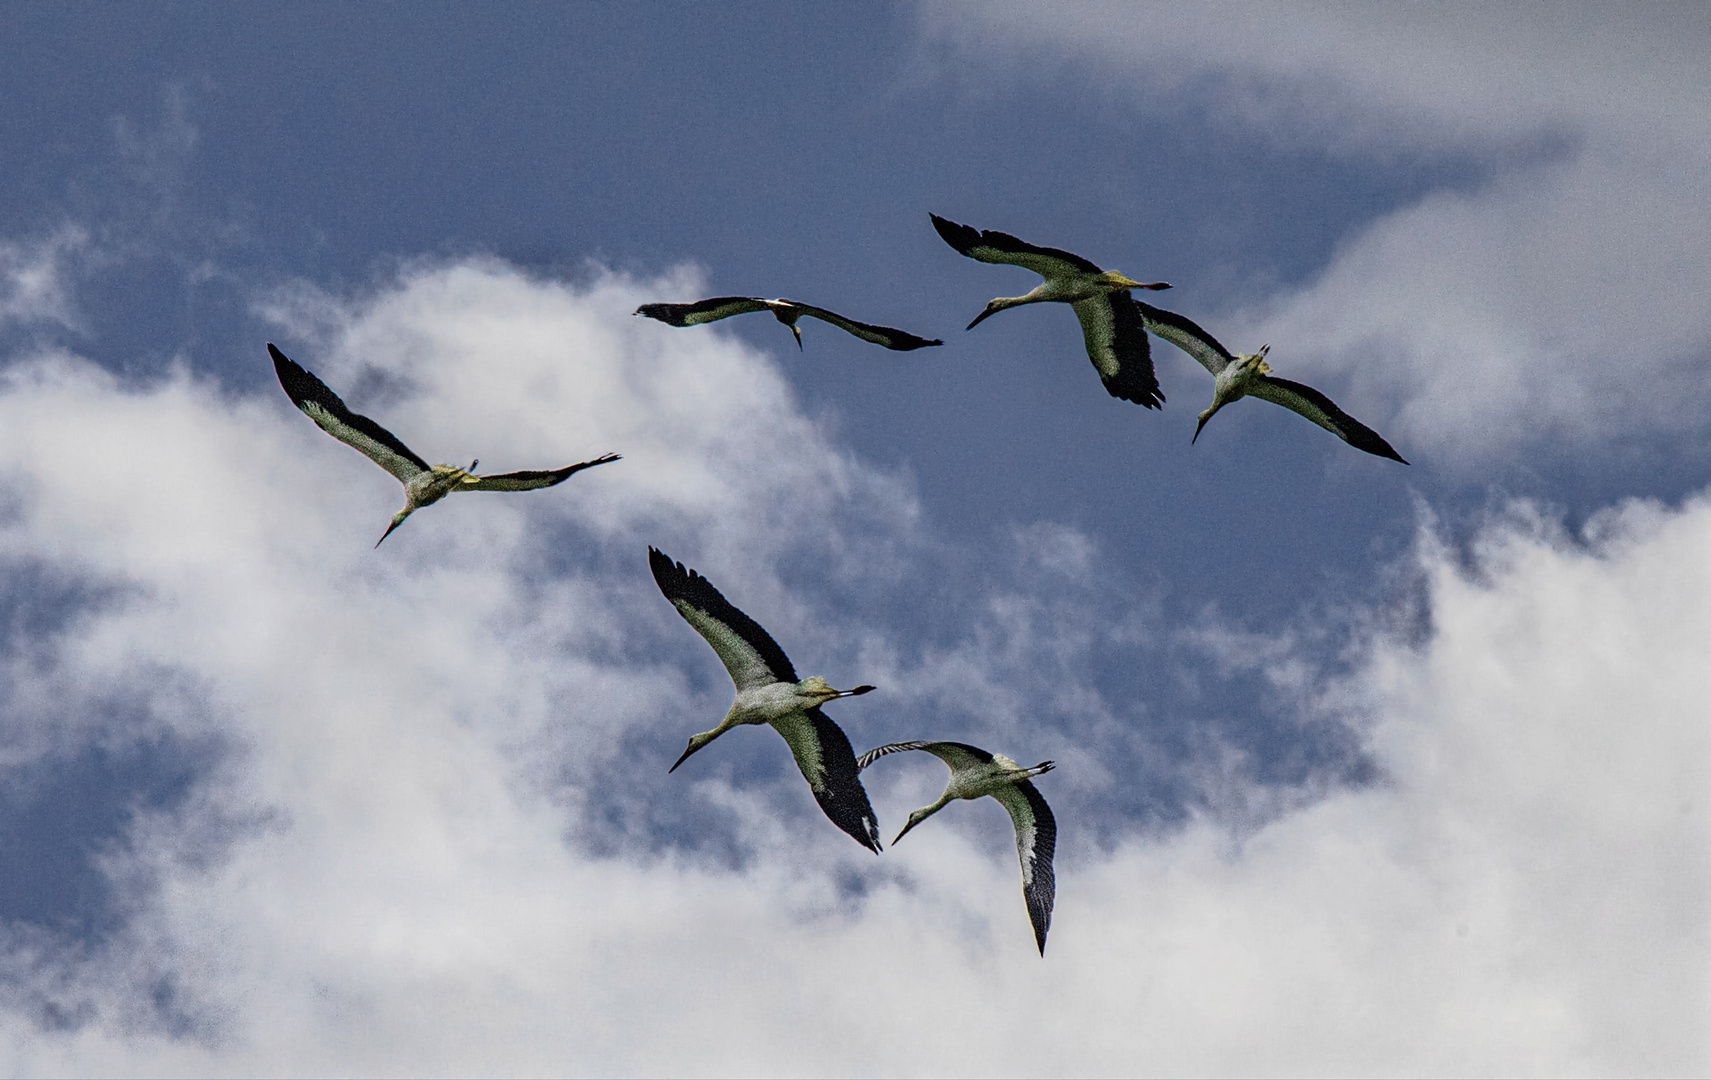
(429, 829)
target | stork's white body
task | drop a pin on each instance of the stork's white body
(988, 778)
(766, 704)
(1239, 378)
(427, 488)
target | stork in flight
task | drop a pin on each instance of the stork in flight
(787, 312)
(768, 692)
(423, 483)
(1110, 321)
(974, 773)
(1249, 375)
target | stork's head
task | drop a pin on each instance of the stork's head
(915, 818)
(786, 312)
(733, 717)
(1232, 383)
(397, 520)
(992, 308)
(1227, 390)
(696, 742)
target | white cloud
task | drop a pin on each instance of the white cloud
(1560, 304)
(417, 741)
(35, 277)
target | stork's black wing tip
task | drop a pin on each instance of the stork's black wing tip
(670, 314)
(961, 237)
(1364, 438)
(1129, 386)
(1388, 451)
(281, 362)
(664, 567)
(301, 385)
(868, 836)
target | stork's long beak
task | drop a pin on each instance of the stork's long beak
(397, 520)
(914, 820)
(979, 318)
(858, 691)
(905, 831)
(690, 749)
(794, 329)
(1205, 416)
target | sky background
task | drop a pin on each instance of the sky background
(1362, 767)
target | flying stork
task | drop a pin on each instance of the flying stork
(787, 312)
(1110, 322)
(768, 692)
(974, 773)
(1249, 375)
(423, 483)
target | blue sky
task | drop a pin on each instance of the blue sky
(1362, 766)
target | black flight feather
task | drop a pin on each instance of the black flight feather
(1350, 430)
(840, 793)
(1041, 890)
(678, 582)
(303, 387)
(966, 240)
(1135, 380)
